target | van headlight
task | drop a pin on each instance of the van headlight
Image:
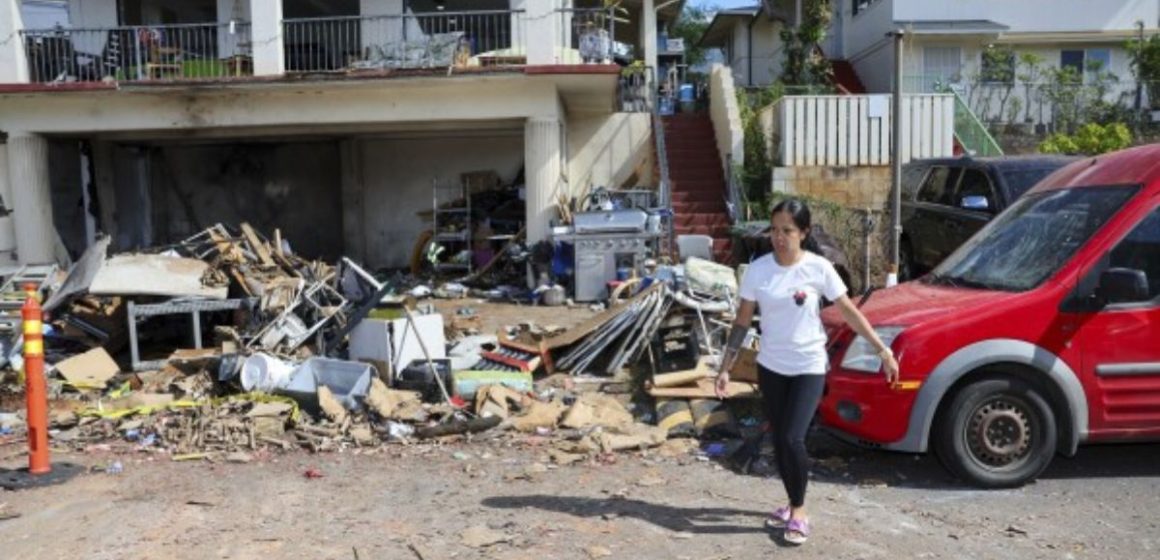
(861, 356)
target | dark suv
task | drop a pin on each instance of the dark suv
(945, 201)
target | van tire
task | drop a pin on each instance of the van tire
(996, 433)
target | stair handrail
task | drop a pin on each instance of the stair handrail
(664, 187)
(971, 133)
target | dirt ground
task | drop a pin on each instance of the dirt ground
(436, 502)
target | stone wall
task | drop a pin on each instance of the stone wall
(841, 199)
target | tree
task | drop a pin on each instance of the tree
(1030, 71)
(1145, 57)
(690, 26)
(804, 64)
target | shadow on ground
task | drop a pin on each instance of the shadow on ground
(715, 521)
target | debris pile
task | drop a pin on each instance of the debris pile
(303, 354)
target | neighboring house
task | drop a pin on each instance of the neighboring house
(748, 40)
(946, 40)
(150, 120)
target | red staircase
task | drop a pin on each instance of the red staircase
(697, 181)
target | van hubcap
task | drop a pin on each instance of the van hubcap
(999, 432)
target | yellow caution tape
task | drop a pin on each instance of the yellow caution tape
(33, 326)
(33, 348)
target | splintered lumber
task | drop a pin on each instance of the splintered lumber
(260, 248)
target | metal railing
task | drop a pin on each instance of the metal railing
(664, 185)
(970, 132)
(586, 35)
(425, 40)
(145, 52)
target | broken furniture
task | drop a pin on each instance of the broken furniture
(193, 307)
(452, 224)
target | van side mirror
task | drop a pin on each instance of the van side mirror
(1123, 285)
(975, 202)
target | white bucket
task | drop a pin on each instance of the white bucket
(261, 372)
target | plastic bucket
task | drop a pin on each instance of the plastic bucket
(262, 372)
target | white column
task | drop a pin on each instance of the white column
(31, 199)
(7, 232)
(13, 62)
(543, 41)
(542, 158)
(648, 34)
(266, 31)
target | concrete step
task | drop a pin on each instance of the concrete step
(710, 219)
(706, 207)
(716, 232)
(683, 196)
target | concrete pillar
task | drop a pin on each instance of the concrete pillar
(648, 34)
(353, 200)
(541, 27)
(267, 39)
(31, 199)
(13, 62)
(542, 159)
(7, 232)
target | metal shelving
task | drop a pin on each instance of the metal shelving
(452, 224)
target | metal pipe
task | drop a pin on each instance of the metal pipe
(896, 160)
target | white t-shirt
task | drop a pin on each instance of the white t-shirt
(793, 341)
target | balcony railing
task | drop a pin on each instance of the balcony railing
(435, 40)
(153, 52)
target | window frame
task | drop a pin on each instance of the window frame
(1105, 263)
(993, 200)
(950, 184)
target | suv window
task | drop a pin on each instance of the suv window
(975, 184)
(1020, 181)
(1140, 250)
(939, 185)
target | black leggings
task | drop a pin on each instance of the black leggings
(790, 403)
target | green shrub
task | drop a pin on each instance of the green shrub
(1090, 139)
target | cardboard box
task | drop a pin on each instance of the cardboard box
(745, 366)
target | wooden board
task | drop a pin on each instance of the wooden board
(257, 244)
(704, 390)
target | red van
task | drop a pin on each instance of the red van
(1040, 333)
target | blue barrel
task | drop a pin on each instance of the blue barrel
(685, 92)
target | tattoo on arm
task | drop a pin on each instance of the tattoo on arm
(736, 338)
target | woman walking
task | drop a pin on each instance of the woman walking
(786, 286)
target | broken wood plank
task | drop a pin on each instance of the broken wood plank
(260, 248)
(704, 390)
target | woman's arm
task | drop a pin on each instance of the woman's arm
(858, 322)
(736, 336)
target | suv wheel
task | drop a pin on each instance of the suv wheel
(906, 265)
(996, 433)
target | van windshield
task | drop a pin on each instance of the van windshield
(1031, 240)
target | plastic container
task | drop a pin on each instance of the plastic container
(685, 92)
(349, 381)
(417, 377)
(265, 373)
(467, 382)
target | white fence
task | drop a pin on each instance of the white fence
(847, 130)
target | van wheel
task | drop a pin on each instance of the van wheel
(996, 433)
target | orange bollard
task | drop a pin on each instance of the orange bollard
(35, 389)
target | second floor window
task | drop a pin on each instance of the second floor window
(861, 5)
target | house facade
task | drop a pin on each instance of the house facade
(749, 41)
(947, 43)
(336, 122)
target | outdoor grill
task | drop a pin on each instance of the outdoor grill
(604, 242)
